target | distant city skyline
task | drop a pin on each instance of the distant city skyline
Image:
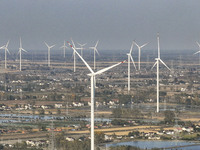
(114, 23)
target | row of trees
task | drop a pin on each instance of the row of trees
(124, 112)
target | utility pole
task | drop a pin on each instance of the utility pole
(52, 144)
(67, 111)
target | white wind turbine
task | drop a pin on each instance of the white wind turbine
(74, 54)
(5, 47)
(92, 74)
(20, 54)
(199, 49)
(81, 48)
(49, 56)
(64, 48)
(95, 50)
(157, 63)
(139, 53)
(130, 57)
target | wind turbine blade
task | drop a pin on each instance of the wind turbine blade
(24, 50)
(131, 49)
(52, 46)
(198, 44)
(164, 64)
(64, 46)
(20, 42)
(73, 44)
(18, 51)
(136, 44)
(96, 51)
(133, 62)
(46, 44)
(96, 44)
(196, 53)
(108, 68)
(7, 50)
(3, 47)
(154, 65)
(81, 44)
(84, 44)
(91, 47)
(143, 45)
(81, 58)
(7, 43)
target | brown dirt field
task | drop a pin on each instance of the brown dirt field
(21, 136)
(140, 130)
(103, 112)
(158, 118)
(191, 119)
(118, 129)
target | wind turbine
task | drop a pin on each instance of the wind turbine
(81, 48)
(199, 49)
(157, 63)
(130, 57)
(74, 54)
(92, 74)
(49, 48)
(5, 47)
(95, 50)
(20, 54)
(64, 47)
(139, 53)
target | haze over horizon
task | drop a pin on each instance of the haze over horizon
(114, 23)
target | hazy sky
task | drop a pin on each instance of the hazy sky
(115, 23)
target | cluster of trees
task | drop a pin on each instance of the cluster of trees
(125, 148)
(134, 133)
(188, 99)
(169, 117)
(61, 143)
(99, 137)
(119, 122)
(124, 99)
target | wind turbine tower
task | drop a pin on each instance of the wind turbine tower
(157, 63)
(74, 54)
(95, 50)
(130, 57)
(81, 48)
(92, 80)
(139, 53)
(20, 54)
(64, 48)
(49, 56)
